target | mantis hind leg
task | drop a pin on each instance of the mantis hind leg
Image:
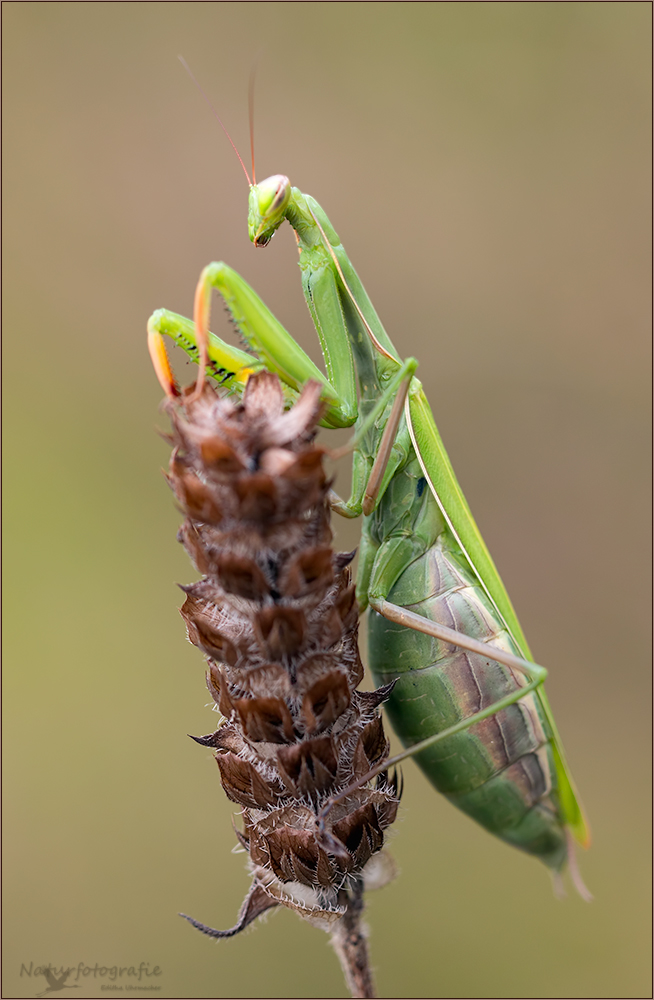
(402, 616)
(535, 676)
(388, 561)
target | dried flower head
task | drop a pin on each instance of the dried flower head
(276, 617)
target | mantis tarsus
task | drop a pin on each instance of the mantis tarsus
(468, 700)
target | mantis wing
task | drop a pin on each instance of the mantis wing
(439, 474)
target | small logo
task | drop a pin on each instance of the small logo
(56, 983)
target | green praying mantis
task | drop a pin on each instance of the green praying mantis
(468, 699)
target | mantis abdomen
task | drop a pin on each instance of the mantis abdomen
(500, 771)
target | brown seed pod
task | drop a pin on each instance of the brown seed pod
(276, 618)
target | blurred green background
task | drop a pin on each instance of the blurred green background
(487, 166)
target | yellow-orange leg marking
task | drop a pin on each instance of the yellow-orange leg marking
(201, 314)
(160, 363)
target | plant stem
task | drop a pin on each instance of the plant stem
(351, 945)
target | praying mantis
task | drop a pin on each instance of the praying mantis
(467, 699)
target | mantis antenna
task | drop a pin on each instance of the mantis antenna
(253, 74)
(201, 305)
(216, 115)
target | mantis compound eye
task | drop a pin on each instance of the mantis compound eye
(268, 202)
(273, 194)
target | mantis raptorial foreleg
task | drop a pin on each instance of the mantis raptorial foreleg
(278, 351)
(273, 344)
(226, 363)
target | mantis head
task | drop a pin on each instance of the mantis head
(267, 208)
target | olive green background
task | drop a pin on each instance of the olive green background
(487, 167)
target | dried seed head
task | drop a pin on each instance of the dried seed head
(276, 617)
